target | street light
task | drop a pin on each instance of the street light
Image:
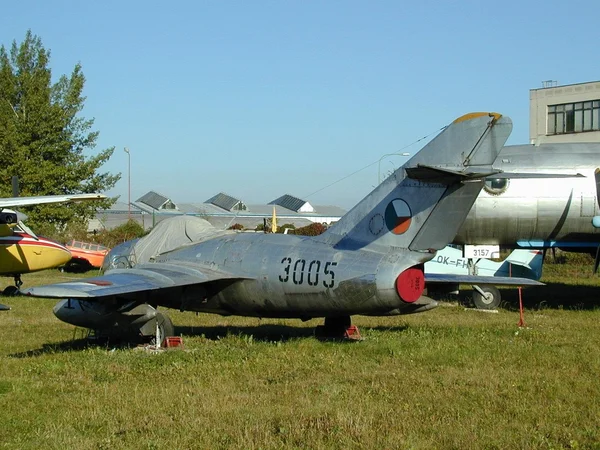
(128, 182)
(384, 156)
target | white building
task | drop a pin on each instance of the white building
(221, 210)
(569, 113)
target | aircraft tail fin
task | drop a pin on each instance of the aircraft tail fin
(422, 204)
(525, 263)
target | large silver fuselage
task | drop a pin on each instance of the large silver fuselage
(292, 276)
(555, 210)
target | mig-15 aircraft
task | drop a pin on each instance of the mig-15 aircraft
(370, 262)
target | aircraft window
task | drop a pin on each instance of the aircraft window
(495, 186)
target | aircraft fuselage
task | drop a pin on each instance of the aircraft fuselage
(293, 276)
(537, 210)
(21, 253)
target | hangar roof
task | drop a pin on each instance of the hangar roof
(221, 210)
(226, 202)
(156, 201)
(292, 203)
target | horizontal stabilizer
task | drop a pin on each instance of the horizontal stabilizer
(119, 282)
(443, 175)
(478, 280)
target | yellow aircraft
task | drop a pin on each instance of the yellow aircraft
(21, 251)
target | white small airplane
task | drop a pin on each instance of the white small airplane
(449, 268)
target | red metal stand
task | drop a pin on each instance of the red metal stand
(352, 333)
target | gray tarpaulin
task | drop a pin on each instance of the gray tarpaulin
(172, 233)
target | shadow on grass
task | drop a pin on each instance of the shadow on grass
(65, 346)
(551, 296)
(259, 333)
(265, 333)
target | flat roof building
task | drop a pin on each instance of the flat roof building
(560, 114)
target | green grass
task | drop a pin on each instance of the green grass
(448, 378)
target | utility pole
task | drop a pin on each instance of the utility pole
(128, 182)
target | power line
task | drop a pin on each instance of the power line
(373, 163)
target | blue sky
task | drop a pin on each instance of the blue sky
(261, 98)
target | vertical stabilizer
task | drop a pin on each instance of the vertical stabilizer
(422, 204)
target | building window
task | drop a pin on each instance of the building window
(574, 117)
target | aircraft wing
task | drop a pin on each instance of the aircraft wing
(141, 279)
(478, 280)
(41, 199)
(526, 175)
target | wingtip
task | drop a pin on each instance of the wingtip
(52, 291)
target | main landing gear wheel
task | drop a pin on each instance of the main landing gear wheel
(489, 300)
(338, 328)
(165, 328)
(10, 291)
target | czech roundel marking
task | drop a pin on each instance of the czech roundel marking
(398, 216)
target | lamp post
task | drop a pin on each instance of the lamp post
(384, 156)
(128, 183)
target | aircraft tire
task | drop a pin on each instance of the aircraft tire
(10, 291)
(491, 300)
(165, 327)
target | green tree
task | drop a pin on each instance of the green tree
(43, 137)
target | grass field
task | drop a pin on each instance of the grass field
(448, 378)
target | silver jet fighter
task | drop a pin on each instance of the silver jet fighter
(369, 263)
